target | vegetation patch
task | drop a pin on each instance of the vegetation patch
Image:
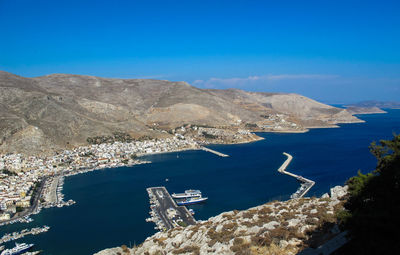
(219, 237)
(187, 249)
(115, 137)
(240, 246)
(372, 209)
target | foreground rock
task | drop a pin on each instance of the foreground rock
(274, 228)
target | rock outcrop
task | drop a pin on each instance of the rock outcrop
(273, 228)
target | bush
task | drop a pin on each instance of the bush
(373, 207)
(187, 249)
(125, 249)
(7, 172)
(261, 240)
(209, 136)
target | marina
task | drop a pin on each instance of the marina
(53, 195)
(306, 184)
(165, 213)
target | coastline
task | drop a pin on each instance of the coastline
(83, 168)
(277, 142)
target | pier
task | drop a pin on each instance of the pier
(51, 195)
(306, 184)
(17, 235)
(215, 152)
(165, 213)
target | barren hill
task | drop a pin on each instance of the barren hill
(59, 111)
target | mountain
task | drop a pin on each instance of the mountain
(59, 111)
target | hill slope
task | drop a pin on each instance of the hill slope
(273, 228)
(59, 111)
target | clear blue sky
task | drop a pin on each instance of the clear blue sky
(333, 51)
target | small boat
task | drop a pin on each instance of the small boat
(18, 249)
(188, 193)
(192, 200)
(191, 211)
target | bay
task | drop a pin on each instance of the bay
(112, 204)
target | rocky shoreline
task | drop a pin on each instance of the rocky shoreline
(278, 227)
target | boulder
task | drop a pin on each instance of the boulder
(339, 192)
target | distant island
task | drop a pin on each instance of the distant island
(364, 110)
(371, 107)
(378, 104)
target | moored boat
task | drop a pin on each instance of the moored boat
(18, 249)
(188, 194)
(192, 200)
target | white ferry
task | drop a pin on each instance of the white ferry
(192, 200)
(188, 194)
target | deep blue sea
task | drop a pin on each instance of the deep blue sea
(112, 204)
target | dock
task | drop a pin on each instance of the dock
(306, 184)
(165, 213)
(51, 195)
(215, 152)
(17, 235)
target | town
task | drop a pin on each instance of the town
(28, 184)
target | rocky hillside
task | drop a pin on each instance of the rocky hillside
(59, 111)
(273, 228)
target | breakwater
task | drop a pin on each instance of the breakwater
(306, 184)
(214, 152)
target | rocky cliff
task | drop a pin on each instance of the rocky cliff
(273, 228)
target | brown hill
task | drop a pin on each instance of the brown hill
(59, 111)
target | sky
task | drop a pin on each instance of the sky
(332, 51)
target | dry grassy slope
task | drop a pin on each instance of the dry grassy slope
(58, 111)
(273, 228)
(307, 111)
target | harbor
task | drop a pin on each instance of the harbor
(52, 195)
(165, 213)
(305, 185)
